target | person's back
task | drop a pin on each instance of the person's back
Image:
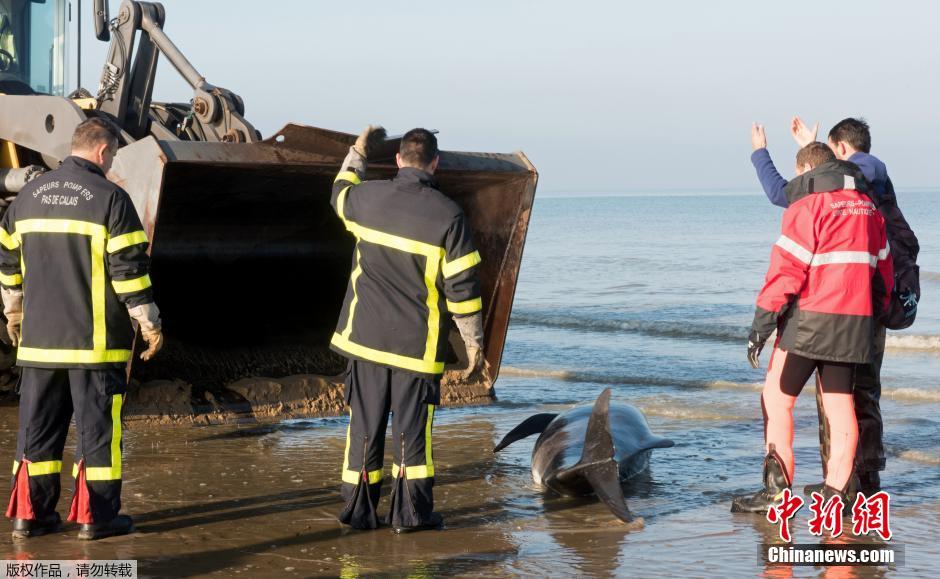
(413, 268)
(399, 294)
(829, 274)
(74, 210)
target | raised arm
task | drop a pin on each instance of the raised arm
(770, 179)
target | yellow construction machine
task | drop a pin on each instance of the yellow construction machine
(235, 219)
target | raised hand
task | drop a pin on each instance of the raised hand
(802, 134)
(758, 138)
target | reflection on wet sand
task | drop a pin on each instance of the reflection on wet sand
(261, 501)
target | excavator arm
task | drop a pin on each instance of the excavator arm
(126, 88)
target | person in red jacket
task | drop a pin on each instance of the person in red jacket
(830, 276)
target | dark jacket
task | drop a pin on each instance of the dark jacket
(74, 243)
(415, 261)
(830, 271)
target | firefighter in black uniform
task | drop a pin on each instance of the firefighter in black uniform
(74, 271)
(414, 265)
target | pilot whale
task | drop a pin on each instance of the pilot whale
(590, 449)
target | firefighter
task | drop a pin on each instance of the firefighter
(414, 266)
(830, 278)
(74, 272)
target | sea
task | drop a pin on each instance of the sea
(652, 295)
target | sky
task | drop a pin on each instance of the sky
(601, 96)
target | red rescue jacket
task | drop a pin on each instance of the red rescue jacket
(830, 274)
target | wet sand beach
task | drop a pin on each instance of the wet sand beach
(260, 501)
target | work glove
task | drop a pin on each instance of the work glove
(368, 140)
(147, 317)
(13, 310)
(471, 330)
(754, 346)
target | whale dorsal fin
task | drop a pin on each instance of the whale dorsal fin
(531, 425)
(598, 464)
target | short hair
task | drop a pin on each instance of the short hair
(93, 132)
(855, 132)
(418, 147)
(815, 154)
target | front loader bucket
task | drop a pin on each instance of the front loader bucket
(250, 264)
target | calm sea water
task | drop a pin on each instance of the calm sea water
(652, 295)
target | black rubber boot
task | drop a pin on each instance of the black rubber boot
(775, 481)
(119, 525)
(28, 528)
(869, 482)
(814, 488)
(431, 522)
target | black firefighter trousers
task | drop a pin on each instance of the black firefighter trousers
(48, 398)
(870, 456)
(372, 391)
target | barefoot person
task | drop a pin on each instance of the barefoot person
(830, 274)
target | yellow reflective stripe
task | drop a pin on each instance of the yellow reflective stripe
(112, 472)
(71, 356)
(388, 358)
(8, 241)
(16, 466)
(43, 468)
(131, 285)
(341, 203)
(467, 307)
(352, 477)
(394, 241)
(75, 470)
(346, 452)
(414, 472)
(98, 281)
(434, 256)
(422, 470)
(427, 440)
(98, 235)
(355, 299)
(431, 269)
(126, 240)
(15, 279)
(350, 176)
(452, 268)
(60, 226)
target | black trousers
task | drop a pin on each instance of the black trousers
(372, 391)
(48, 399)
(870, 456)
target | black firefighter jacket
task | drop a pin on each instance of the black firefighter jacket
(73, 241)
(414, 262)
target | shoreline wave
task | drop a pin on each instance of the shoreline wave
(692, 330)
(903, 394)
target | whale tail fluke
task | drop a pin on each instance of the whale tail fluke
(531, 425)
(598, 464)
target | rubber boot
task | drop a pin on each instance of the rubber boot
(775, 481)
(433, 521)
(814, 488)
(848, 494)
(27, 528)
(869, 482)
(119, 525)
